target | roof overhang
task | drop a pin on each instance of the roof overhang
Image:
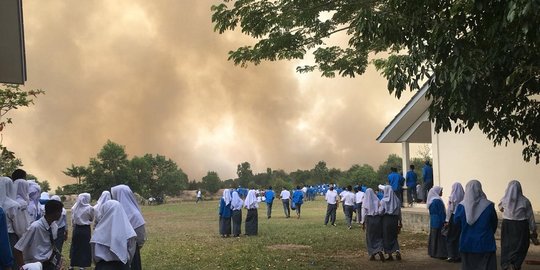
(412, 123)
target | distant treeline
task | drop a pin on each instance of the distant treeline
(158, 176)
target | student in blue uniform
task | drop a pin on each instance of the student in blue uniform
(454, 229)
(225, 214)
(411, 180)
(269, 196)
(478, 220)
(6, 257)
(517, 227)
(427, 174)
(437, 216)
(395, 180)
(298, 200)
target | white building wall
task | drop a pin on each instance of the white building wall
(462, 157)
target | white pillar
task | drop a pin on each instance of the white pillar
(406, 157)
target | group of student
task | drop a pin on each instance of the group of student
(32, 232)
(231, 204)
(465, 232)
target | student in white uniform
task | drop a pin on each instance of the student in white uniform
(114, 240)
(62, 227)
(285, 196)
(34, 191)
(105, 196)
(348, 204)
(125, 196)
(82, 216)
(36, 245)
(332, 201)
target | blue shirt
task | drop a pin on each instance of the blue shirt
(269, 195)
(427, 173)
(479, 237)
(394, 180)
(412, 179)
(298, 197)
(6, 258)
(437, 215)
(224, 209)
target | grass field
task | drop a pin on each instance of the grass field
(185, 236)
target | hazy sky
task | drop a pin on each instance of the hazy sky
(153, 76)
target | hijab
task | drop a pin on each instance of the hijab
(390, 202)
(514, 205)
(251, 200)
(236, 202)
(81, 206)
(370, 203)
(474, 201)
(433, 194)
(114, 230)
(105, 196)
(22, 192)
(227, 196)
(125, 196)
(456, 196)
(6, 186)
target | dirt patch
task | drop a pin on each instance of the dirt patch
(288, 247)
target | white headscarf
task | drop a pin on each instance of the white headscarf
(433, 194)
(125, 196)
(80, 207)
(236, 203)
(390, 202)
(32, 266)
(105, 196)
(474, 201)
(227, 196)
(114, 230)
(514, 205)
(44, 196)
(22, 192)
(457, 194)
(370, 203)
(6, 202)
(251, 200)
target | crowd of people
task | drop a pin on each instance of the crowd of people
(34, 227)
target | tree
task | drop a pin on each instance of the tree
(364, 174)
(393, 160)
(44, 185)
(479, 58)
(211, 182)
(77, 172)
(321, 173)
(12, 97)
(245, 174)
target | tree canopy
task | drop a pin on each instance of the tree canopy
(480, 59)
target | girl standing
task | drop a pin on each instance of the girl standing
(437, 216)
(225, 213)
(252, 219)
(236, 206)
(82, 215)
(454, 229)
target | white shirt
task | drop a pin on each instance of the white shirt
(331, 197)
(35, 244)
(199, 193)
(285, 194)
(359, 196)
(349, 198)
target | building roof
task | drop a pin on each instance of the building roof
(411, 124)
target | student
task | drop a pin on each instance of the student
(199, 196)
(285, 196)
(395, 181)
(371, 221)
(478, 220)
(34, 191)
(82, 216)
(348, 204)
(331, 198)
(114, 240)
(411, 179)
(105, 196)
(62, 234)
(427, 174)
(298, 200)
(359, 197)
(454, 229)
(269, 199)
(236, 206)
(437, 216)
(225, 213)
(391, 222)
(517, 226)
(124, 195)
(252, 219)
(36, 245)
(6, 257)
(43, 199)
(21, 189)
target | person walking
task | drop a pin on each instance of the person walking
(331, 198)
(478, 220)
(348, 204)
(391, 222)
(298, 200)
(371, 221)
(269, 199)
(517, 226)
(285, 196)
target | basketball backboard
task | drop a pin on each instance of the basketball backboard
(12, 55)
